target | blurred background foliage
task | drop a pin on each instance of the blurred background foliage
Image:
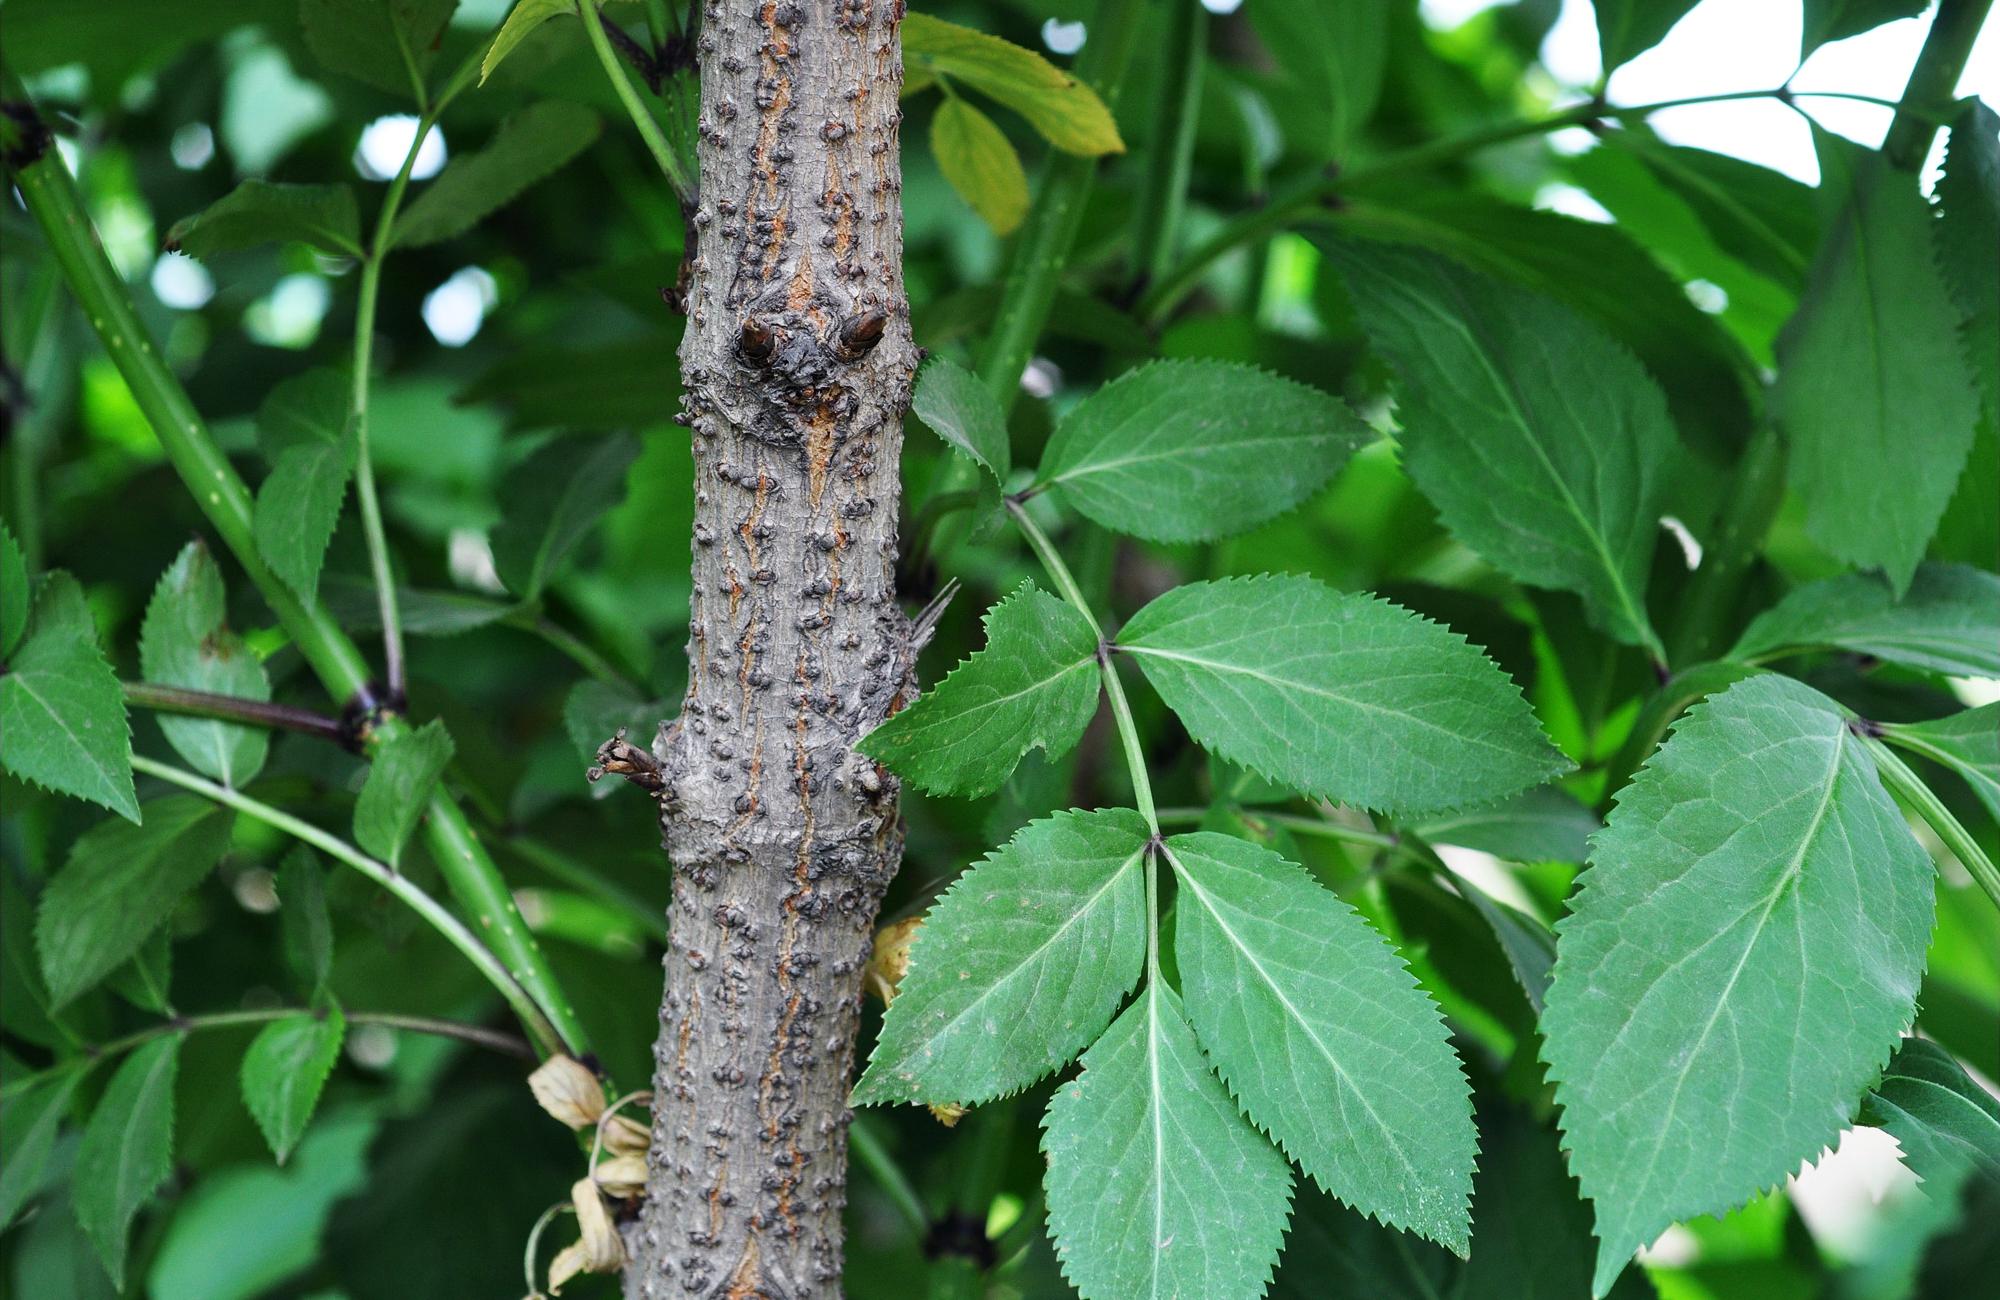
(507, 355)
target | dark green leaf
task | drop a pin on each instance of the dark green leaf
(1948, 621)
(28, 1124)
(1628, 28)
(1968, 231)
(24, 998)
(1019, 966)
(613, 385)
(1335, 56)
(521, 22)
(1526, 940)
(1873, 394)
(980, 163)
(1342, 696)
(1156, 1185)
(308, 930)
(1034, 686)
(263, 212)
(1545, 824)
(120, 882)
(1836, 20)
(387, 43)
(304, 431)
(185, 642)
(283, 1071)
(1762, 217)
(553, 498)
(353, 601)
(147, 980)
(595, 711)
(1323, 1036)
(127, 1149)
(1067, 113)
(1542, 442)
(1738, 961)
(62, 714)
(14, 593)
(1942, 1119)
(960, 409)
(1183, 451)
(1968, 743)
(529, 145)
(400, 780)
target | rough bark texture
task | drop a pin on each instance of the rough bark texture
(797, 364)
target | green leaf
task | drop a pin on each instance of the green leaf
(14, 593)
(980, 163)
(1335, 55)
(1529, 946)
(185, 642)
(283, 1071)
(305, 433)
(400, 780)
(28, 1124)
(595, 710)
(1738, 961)
(1342, 696)
(1628, 28)
(1019, 966)
(264, 212)
(1873, 394)
(302, 915)
(387, 43)
(961, 410)
(1968, 743)
(1948, 621)
(1968, 231)
(1181, 451)
(1836, 20)
(127, 1149)
(529, 145)
(120, 882)
(1545, 824)
(521, 23)
(1942, 1119)
(1542, 442)
(1034, 686)
(1323, 1036)
(1156, 1185)
(147, 980)
(1763, 218)
(1067, 113)
(553, 498)
(62, 714)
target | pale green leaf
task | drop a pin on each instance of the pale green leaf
(1034, 686)
(1948, 621)
(265, 212)
(305, 433)
(1543, 443)
(1182, 451)
(521, 23)
(553, 498)
(1873, 394)
(14, 593)
(127, 1149)
(405, 770)
(1157, 1186)
(1339, 695)
(185, 642)
(388, 44)
(529, 145)
(1019, 966)
(1968, 743)
(302, 915)
(980, 163)
(1627, 28)
(1739, 959)
(1067, 113)
(1323, 1035)
(1335, 56)
(28, 1124)
(62, 714)
(117, 887)
(1546, 824)
(959, 408)
(1942, 1119)
(283, 1071)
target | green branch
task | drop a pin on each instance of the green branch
(1913, 791)
(635, 108)
(1176, 113)
(1933, 80)
(439, 917)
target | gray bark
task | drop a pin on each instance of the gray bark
(797, 364)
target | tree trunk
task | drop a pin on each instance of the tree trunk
(797, 365)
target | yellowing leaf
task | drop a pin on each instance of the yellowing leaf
(568, 1090)
(1067, 113)
(981, 164)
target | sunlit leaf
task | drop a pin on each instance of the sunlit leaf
(980, 163)
(1067, 113)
